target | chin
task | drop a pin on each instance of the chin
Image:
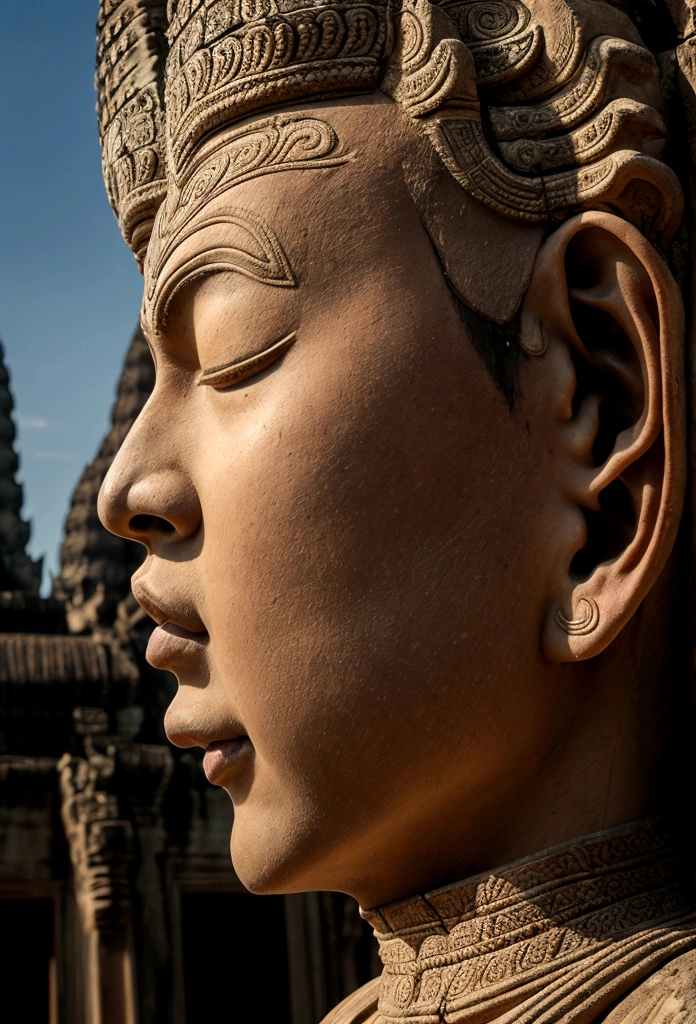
(266, 859)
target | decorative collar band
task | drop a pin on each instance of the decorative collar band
(557, 937)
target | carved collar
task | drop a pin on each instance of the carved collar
(558, 937)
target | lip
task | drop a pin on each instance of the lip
(223, 757)
(169, 643)
(184, 617)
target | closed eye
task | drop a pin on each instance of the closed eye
(232, 373)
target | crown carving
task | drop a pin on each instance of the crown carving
(538, 108)
(230, 59)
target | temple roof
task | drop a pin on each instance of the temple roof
(43, 678)
(32, 658)
(96, 566)
(18, 572)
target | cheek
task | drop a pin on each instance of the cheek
(357, 534)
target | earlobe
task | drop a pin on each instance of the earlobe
(604, 301)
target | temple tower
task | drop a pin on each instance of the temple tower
(96, 567)
(18, 572)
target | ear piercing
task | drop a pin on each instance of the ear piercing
(587, 621)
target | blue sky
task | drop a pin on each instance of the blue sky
(69, 287)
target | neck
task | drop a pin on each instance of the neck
(610, 765)
(615, 763)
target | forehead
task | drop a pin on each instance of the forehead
(269, 184)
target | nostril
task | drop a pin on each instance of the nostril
(150, 524)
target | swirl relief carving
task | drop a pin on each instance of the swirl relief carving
(586, 620)
(239, 240)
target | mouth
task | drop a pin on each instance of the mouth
(179, 632)
(222, 758)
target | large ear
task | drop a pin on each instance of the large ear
(604, 318)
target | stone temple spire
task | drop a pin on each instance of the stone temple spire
(96, 566)
(18, 572)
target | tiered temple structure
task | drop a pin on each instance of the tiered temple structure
(115, 878)
(17, 570)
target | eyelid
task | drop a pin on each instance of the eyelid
(232, 373)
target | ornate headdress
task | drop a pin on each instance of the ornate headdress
(537, 109)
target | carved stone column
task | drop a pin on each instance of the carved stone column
(101, 850)
(331, 952)
(112, 813)
(147, 771)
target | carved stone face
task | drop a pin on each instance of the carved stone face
(350, 537)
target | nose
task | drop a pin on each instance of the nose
(148, 495)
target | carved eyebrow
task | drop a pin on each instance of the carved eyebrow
(243, 242)
(227, 374)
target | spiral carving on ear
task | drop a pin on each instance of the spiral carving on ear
(586, 622)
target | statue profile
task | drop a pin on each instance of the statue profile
(412, 476)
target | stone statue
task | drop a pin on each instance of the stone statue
(413, 471)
